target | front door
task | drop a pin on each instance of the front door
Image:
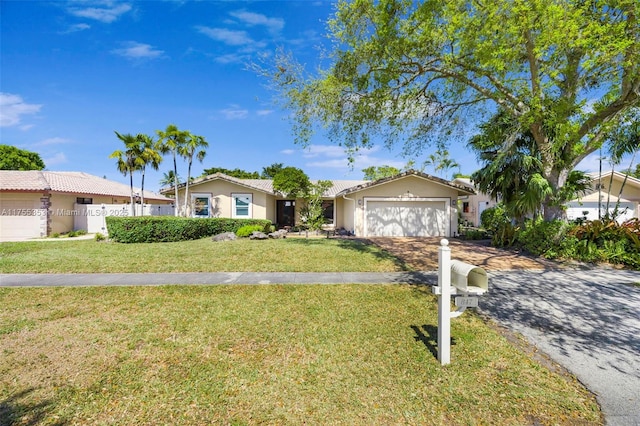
(285, 213)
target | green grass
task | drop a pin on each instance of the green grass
(337, 354)
(287, 255)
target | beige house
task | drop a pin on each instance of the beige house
(472, 206)
(40, 203)
(409, 204)
(607, 187)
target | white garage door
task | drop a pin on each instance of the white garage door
(20, 219)
(406, 219)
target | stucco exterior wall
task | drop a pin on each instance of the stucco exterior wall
(220, 193)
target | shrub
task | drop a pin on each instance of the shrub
(494, 218)
(548, 239)
(100, 237)
(609, 242)
(148, 229)
(247, 230)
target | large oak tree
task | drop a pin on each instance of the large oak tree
(416, 72)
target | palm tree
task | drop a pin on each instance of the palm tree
(128, 161)
(149, 156)
(172, 140)
(512, 169)
(168, 179)
(190, 149)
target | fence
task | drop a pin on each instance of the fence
(91, 217)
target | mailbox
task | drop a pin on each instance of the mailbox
(468, 279)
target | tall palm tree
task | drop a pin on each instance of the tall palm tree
(128, 161)
(172, 140)
(149, 156)
(194, 146)
(168, 178)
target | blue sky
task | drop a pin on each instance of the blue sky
(74, 72)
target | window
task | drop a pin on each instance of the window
(327, 211)
(81, 200)
(201, 205)
(465, 207)
(241, 205)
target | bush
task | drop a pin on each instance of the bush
(247, 230)
(150, 229)
(100, 237)
(498, 223)
(547, 239)
(609, 242)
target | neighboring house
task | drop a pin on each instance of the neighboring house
(409, 204)
(607, 187)
(39, 203)
(472, 206)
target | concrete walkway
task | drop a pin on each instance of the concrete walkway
(586, 320)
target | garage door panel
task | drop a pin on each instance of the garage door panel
(20, 219)
(406, 218)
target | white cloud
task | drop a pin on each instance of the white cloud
(135, 50)
(13, 107)
(52, 141)
(76, 28)
(234, 112)
(274, 25)
(106, 12)
(229, 37)
(264, 112)
(55, 159)
(335, 157)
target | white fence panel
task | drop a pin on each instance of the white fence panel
(92, 217)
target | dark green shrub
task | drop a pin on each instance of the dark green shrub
(608, 241)
(247, 230)
(548, 239)
(494, 218)
(150, 229)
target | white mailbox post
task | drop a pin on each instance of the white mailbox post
(468, 282)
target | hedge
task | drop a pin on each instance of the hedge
(152, 229)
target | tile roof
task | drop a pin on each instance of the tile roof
(265, 185)
(67, 182)
(339, 187)
(368, 184)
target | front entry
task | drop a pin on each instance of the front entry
(285, 213)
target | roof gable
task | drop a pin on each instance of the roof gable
(462, 190)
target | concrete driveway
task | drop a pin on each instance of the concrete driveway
(588, 321)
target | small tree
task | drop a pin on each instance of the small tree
(379, 172)
(270, 171)
(12, 158)
(312, 213)
(291, 182)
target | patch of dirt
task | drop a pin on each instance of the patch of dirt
(421, 253)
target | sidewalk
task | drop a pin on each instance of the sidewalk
(212, 278)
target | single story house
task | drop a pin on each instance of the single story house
(37, 204)
(605, 187)
(408, 204)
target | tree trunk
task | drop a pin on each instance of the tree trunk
(553, 207)
(175, 184)
(133, 201)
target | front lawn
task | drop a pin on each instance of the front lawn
(312, 354)
(287, 255)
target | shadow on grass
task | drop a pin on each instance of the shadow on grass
(359, 245)
(428, 335)
(15, 411)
